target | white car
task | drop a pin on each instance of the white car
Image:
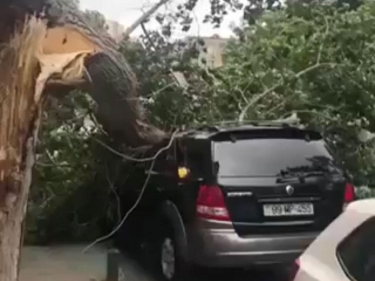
(345, 250)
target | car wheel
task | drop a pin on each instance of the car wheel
(171, 266)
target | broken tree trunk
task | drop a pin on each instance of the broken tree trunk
(25, 72)
(110, 80)
(20, 116)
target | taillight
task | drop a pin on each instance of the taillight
(349, 195)
(211, 204)
(294, 270)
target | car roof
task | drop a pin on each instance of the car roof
(363, 206)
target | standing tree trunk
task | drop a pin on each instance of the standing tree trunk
(20, 116)
(25, 70)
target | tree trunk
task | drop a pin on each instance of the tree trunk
(11, 219)
(25, 71)
(20, 116)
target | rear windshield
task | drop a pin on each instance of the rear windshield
(268, 156)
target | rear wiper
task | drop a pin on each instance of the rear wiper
(287, 175)
(305, 170)
(289, 178)
(290, 175)
(313, 174)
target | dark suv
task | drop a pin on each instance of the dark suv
(235, 196)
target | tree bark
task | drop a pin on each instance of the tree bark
(25, 72)
(145, 16)
(19, 122)
(11, 219)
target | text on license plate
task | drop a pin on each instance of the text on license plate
(295, 209)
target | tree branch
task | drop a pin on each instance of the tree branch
(280, 83)
(146, 15)
(70, 83)
(325, 36)
(60, 87)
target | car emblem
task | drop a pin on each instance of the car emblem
(289, 189)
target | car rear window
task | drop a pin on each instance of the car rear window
(357, 253)
(267, 156)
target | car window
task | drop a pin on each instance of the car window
(357, 253)
(268, 156)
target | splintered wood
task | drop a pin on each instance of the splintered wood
(18, 122)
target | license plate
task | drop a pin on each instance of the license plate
(295, 209)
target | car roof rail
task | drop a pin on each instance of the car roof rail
(216, 127)
(208, 127)
(276, 123)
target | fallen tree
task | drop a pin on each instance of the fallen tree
(107, 76)
(47, 46)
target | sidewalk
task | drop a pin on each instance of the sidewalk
(63, 263)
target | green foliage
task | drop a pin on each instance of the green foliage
(364, 192)
(156, 62)
(70, 175)
(73, 3)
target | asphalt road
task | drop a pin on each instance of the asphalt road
(133, 272)
(134, 269)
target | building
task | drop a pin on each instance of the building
(210, 49)
(213, 50)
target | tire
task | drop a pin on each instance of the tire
(171, 266)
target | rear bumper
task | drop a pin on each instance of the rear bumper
(224, 248)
